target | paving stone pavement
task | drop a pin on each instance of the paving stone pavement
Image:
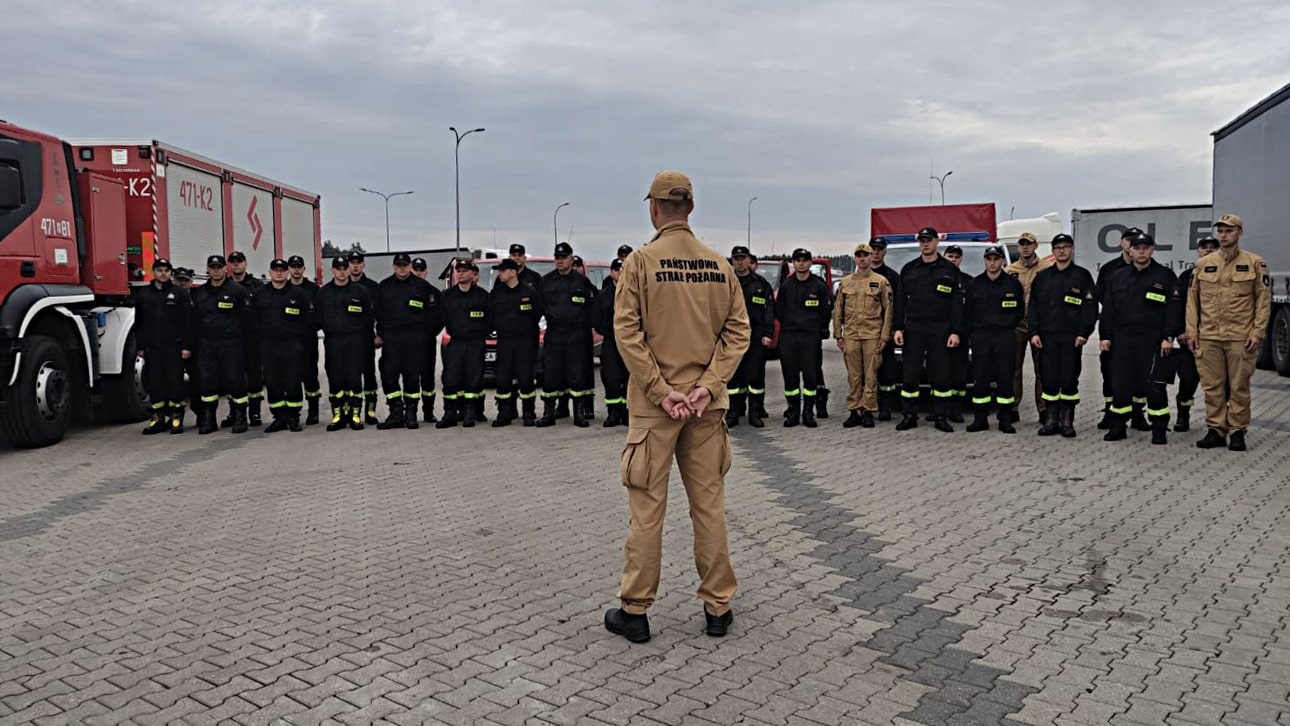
(460, 577)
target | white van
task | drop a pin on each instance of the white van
(1044, 228)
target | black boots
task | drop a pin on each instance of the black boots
(793, 415)
(909, 420)
(355, 410)
(410, 406)
(1138, 420)
(1007, 417)
(1183, 422)
(505, 412)
(251, 410)
(581, 412)
(369, 411)
(451, 413)
(1159, 425)
(562, 406)
(1237, 442)
(1052, 420)
(1213, 440)
(1108, 418)
(617, 415)
(1067, 418)
(279, 422)
(737, 403)
(852, 421)
(943, 424)
(338, 412)
(176, 418)
(529, 406)
(427, 405)
(809, 406)
(956, 409)
(395, 420)
(821, 404)
(981, 420)
(311, 411)
(635, 628)
(239, 417)
(206, 418)
(469, 416)
(159, 421)
(757, 410)
(884, 405)
(549, 406)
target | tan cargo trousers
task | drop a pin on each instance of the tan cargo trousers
(862, 358)
(701, 448)
(1226, 366)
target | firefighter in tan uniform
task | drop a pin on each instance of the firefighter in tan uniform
(862, 325)
(1228, 306)
(681, 328)
(1025, 269)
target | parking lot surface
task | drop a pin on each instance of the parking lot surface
(460, 577)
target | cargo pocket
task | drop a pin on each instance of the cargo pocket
(726, 457)
(635, 461)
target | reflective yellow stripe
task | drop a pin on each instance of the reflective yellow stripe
(1005, 401)
(1071, 397)
(909, 394)
(1158, 411)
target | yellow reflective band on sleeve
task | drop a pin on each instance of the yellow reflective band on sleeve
(1072, 300)
(944, 288)
(355, 308)
(812, 303)
(526, 306)
(758, 300)
(292, 311)
(476, 313)
(579, 299)
(416, 303)
(225, 305)
(1155, 297)
(1009, 303)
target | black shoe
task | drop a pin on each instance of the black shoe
(159, 423)
(907, 422)
(253, 414)
(979, 423)
(293, 423)
(792, 419)
(955, 415)
(866, 420)
(1138, 422)
(228, 421)
(755, 421)
(884, 407)
(1117, 433)
(1108, 420)
(177, 422)
(632, 627)
(206, 421)
(1237, 443)
(822, 404)
(311, 415)
(852, 421)
(808, 417)
(393, 421)
(1213, 440)
(1159, 437)
(732, 419)
(942, 424)
(1005, 424)
(717, 625)
(279, 423)
(1183, 424)
(369, 417)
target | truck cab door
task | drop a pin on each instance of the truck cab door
(20, 187)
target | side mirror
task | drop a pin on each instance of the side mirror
(10, 187)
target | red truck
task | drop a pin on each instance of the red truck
(955, 222)
(81, 223)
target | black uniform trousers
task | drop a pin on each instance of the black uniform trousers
(309, 365)
(516, 362)
(801, 357)
(613, 373)
(750, 376)
(463, 371)
(586, 386)
(1108, 374)
(344, 363)
(401, 354)
(1060, 362)
(1188, 376)
(428, 363)
(369, 387)
(194, 380)
(994, 361)
(253, 360)
(926, 340)
(959, 366)
(1136, 368)
(283, 377)
(163, 376)
(564, 364)
(888, 371)
(221, 370)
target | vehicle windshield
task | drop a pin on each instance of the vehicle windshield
(973, 261)
(770, 271)
(488, 272)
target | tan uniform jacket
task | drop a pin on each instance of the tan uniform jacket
(1229, 299)
(862, 309)
(679, 320)
(1026, 276)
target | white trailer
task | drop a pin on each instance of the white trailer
(1176, 230)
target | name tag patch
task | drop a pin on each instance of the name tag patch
(416, 303)
(1155, 297)
(578, 299)
(1009, 303)
(476, 313)
(526, 306)
(355, 308)
(292, 311)
(1072, 300)
(758, 300)
(225, 305)
(812, 303)
(944, 288)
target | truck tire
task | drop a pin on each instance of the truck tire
(1277, 344)
(124, 400)
(39, 408)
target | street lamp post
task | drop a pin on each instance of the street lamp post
(387, 198)
(750, 201)
(941, 180)
(555, 224)
(456, 157)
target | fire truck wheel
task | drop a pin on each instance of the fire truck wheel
(1277, 344)
(124, 399)
(40, 406)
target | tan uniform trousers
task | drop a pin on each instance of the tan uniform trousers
(1225, 365)
(1023, 342)
(862, 358)
(701, 448)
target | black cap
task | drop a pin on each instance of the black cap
(928, 232)
(183, 273)
(419, 263)
(356, 257)
(236, 256)
(577, 261)
(339, 262)
(993, 251)
(278, 264)
(1143, 240)
(162, 262)
(507, 264)
(563, 250)
(801, 254)
(739, 251)
(1206, 242)
(461, 263)
(1063, 239)
(878, 242)
(624, 250)
(215, 261)
(1130, 232)
(295, 261)
(518, 249)
(954, 250)
(402, 258)
(616, 265)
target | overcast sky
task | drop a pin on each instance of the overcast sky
(820, 109)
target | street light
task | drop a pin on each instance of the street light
(750, 201)
(555, 226)
(941, 180)
(457, 167)
(387, 198)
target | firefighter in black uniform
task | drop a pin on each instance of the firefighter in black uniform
(358, 273)
(222, 315)
(252, 350)
(1184, 360)
(567, 299)
(613, 371)
(996, 305)
(747, 388)
(184, 278)
(286, 317)
(309, 343)
(1138, 328)
(164, 340)
(346, 315)
(1104, 272)
(1060, 319)
(804, 308)
(888, 370)
(959, 356)
(514, 308)
(431, 359)
(464, 309)
(401, 327)
(927, 320)
(584, 389)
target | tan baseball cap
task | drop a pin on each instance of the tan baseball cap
(866, 249)
(671, 185)
(1029, 237)
(1230, 220)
